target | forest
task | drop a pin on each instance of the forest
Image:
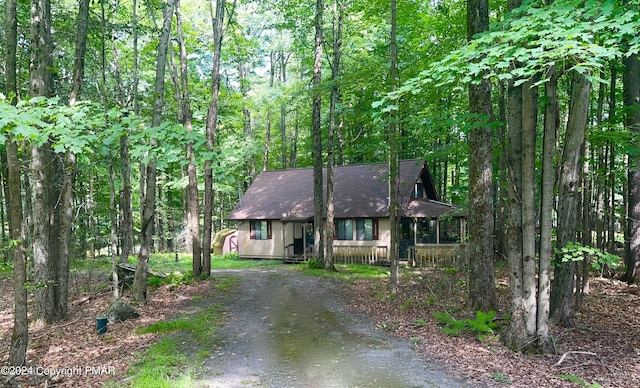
(133, 127)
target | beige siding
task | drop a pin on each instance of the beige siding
(274, 248)
(264, 249)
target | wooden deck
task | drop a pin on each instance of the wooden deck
(425, 255)
(433, 255)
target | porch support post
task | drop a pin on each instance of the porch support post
(437, 231)
(284, 241)
(304, 241)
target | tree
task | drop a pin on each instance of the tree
(20, 334)
(631, 82)
(318, 190)
(338, 13)
(184, 107)
(481, 283)
(45, 166)
(148, 205)
(551, 124)
(211, 125)
(562, 286)
(394, 163)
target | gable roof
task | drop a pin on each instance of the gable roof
(360, 191)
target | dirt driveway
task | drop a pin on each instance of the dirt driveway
(285, 329)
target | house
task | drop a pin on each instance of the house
(275, 215)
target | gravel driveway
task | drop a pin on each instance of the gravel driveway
(285, 329)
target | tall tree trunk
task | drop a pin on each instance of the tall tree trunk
(631, 82)
(283, 110)
(562, 296)
(43, 166)
(515, 335)
(211, 125)
(126, 208)
(529, 129)
(318, 190)
(148, 203)
(481, 284)
(69, 170)
(193, 217)
(394, 164)
(20, 333)
(126, 218)
(551, 125)
(611, 186)
(335, 94)
(113, 218)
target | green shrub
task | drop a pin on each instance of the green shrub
(482, 325)
(314, 263)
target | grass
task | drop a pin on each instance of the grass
(350, 272)
(177, 358)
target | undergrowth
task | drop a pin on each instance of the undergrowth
(177, 358)
(482, 325)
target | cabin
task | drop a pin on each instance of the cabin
(275, 216)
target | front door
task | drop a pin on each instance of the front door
(406, 238)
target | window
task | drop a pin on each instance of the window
(344, 230)
(450, 231)
(260, 230)
(419, 190)
(366, 229)
(426, 233)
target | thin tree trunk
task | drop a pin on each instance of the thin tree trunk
(394, 164)
(318, 190)
(283, 110)
(148, 203)
(562, 287)
(42, 165)
(126, 208)
(481, 284)
(20, 333)
(19, 337)
(193, 217)
(126, 218)
(515, 335)
(551, 125)
(611, 216)
(211, 125)
(631, 81)
(335, 93)
(115, 282)
(529, 127)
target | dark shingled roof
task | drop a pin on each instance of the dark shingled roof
(360, 191)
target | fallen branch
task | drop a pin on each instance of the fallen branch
(90, 297)
(573, 352)
(47, 333)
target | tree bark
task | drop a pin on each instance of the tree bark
(551, 125)
(631, 82)
(481, 283)
(148, 203)
(211, 126)
(529, 127)
(394, 164)
(184, 98)
(562, 296)
(318, 190)
(43, 165)
(335, 95)
(20, 333)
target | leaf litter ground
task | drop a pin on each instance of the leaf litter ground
(603, 349)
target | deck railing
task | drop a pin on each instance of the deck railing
(356, 254)
(433, 255)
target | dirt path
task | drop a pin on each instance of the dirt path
(286, 329)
